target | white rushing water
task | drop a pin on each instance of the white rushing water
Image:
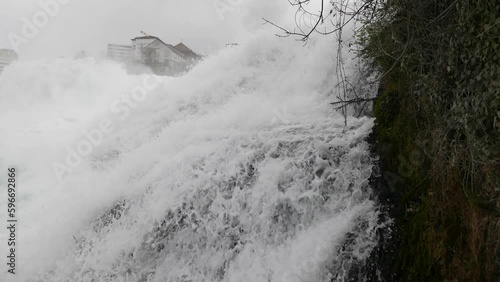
(238, 171)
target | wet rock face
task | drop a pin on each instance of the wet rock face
(114, 213)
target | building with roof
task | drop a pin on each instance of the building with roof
(139, 43)
(163, 58)
(7, 57)
(151, 51)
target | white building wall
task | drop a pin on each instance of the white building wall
(161, 50)
(165, 54)
(121, 53)
(138, 45)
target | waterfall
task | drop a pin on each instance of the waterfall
(237, 171)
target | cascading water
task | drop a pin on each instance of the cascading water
(237, 171)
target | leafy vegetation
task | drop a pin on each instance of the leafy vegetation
(438, 126)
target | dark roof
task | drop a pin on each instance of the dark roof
(185, 50)
(119, 45)
(145, 37)
(175, 50)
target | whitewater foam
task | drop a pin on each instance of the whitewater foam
(237, 171)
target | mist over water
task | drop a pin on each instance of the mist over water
(237, 171)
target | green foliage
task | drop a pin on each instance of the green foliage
(440, 69)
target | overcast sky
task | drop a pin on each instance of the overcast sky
(91, 24)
